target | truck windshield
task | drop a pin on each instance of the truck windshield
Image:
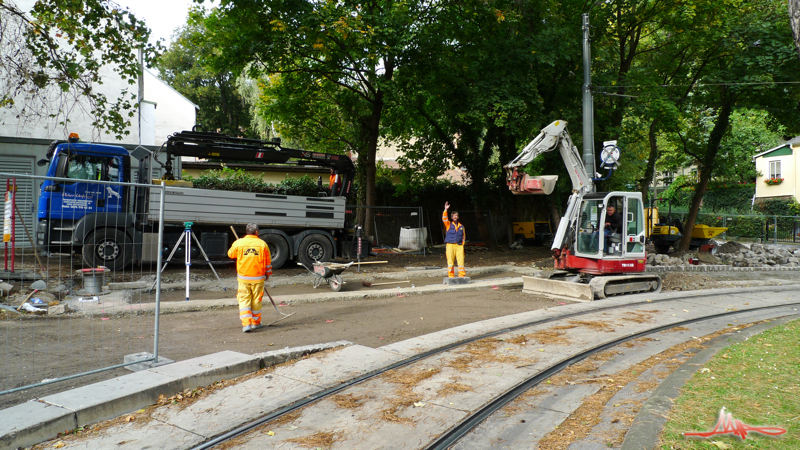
(84, 167)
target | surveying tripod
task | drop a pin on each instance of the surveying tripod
(188, 251)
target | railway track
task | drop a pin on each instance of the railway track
(454, 395)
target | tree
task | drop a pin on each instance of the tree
(352, 45)
(52, 59)
(183, 66)
(485, 79)
(746, 56)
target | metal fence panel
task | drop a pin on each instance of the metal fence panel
(395, 228)
(470, 221)
(71, 314)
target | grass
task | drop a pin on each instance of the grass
(756, 381)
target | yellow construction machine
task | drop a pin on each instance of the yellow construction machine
(666, 232)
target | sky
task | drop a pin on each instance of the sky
(161, 16)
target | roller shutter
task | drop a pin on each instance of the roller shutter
(27, 195)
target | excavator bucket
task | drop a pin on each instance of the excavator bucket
(525, 184)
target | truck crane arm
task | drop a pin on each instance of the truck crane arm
(551, 137)
(220, 146)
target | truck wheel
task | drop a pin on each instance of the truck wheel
(278, 249)
(314, 247)
(108, 247)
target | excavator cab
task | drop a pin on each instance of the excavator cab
(610, 233)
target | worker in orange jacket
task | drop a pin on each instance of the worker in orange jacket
(455, 237)
(253, 267)
(334, 179)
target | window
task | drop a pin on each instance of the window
(588, 242)
(635, 228)
(775, 169)
(83, 167)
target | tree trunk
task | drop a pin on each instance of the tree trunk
(794, 18)
(483, 229)
(369, 170)
(650, 169)
(714, 139)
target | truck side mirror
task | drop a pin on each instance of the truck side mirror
(42, 162)
(61, 168)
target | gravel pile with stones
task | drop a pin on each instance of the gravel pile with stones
(736, 255)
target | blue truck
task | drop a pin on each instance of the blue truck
(115, 225)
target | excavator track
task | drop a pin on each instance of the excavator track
(568, 285)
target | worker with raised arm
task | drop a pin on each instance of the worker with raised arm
(455, 237)
(253, 267)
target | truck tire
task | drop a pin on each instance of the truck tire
(314, 247)
(108, 247)
(278, 249)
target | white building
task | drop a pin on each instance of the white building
(161, 111)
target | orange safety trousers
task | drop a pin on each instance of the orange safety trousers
(249, 296)
(455, 252)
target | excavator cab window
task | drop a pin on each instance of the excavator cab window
(588, 241)
(613, 221)
(634, 226)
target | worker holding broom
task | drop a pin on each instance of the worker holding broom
(253, 267)
(454, 238)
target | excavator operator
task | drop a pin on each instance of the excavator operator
(613, 227)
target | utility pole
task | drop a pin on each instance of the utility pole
(588, 101)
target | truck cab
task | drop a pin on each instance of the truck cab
(66, 206)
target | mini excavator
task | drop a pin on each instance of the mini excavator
(595, 255)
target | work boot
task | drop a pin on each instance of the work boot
(256, 327)
(246, 328)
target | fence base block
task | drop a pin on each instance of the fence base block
(133, 357)
(455, 280)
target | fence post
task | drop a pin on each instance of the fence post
(156, 327)
(775, 232)
(725, 225)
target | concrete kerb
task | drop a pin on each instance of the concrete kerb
(327, 296)
(43, 418)
(306, 278)
(645, 432)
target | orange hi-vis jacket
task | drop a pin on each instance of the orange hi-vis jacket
(253, 261)
(453, 232)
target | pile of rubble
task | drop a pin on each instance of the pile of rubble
(733, 254)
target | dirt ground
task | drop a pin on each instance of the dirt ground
(37, 349)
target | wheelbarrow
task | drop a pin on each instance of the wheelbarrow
(329, 273)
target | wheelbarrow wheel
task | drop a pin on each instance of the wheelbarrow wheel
(336, 283)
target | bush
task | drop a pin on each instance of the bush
(303, 186)
(777, 206)
(746, 226)
(240, 180)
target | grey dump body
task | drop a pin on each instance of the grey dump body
(204, 206)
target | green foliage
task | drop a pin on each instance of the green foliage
(185, 66)
(304, 186)
(777, 206)
(228, 179)
(57, 54)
